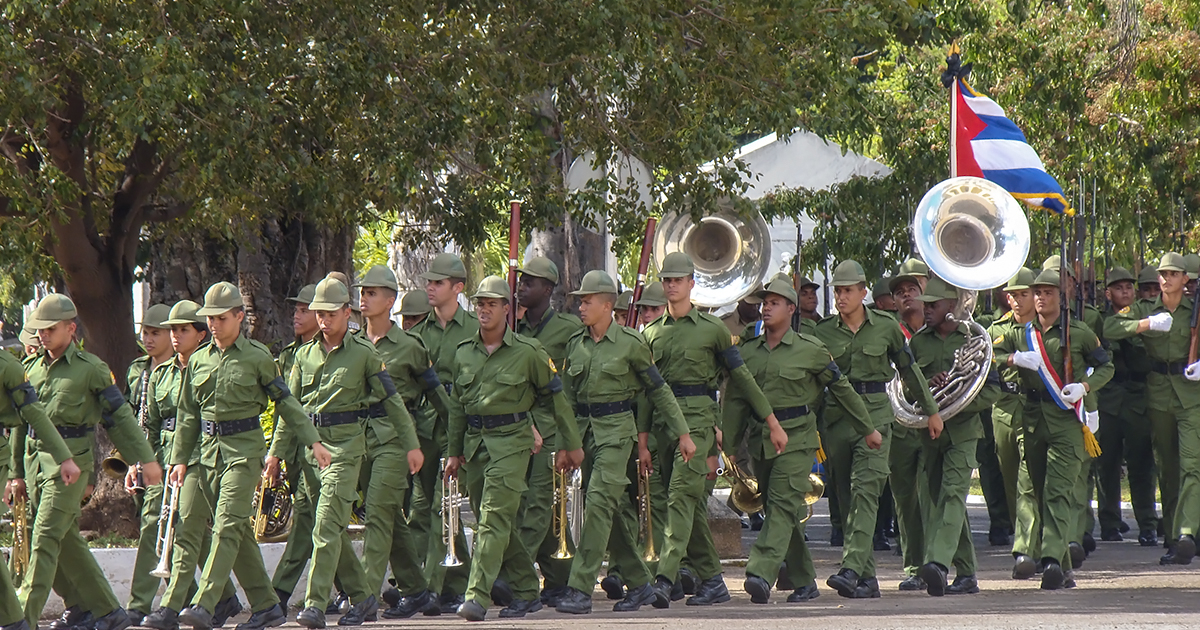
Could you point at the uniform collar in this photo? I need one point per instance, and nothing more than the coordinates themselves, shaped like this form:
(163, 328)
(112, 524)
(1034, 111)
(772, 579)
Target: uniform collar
(394, 334)
(870, 317)
(547, 316)
(71, 352)
(509, 338)
(692, 314)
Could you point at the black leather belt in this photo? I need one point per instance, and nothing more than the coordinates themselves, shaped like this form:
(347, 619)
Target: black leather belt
(495, 422)
(1132, 377)
(377, 410)
(1169, 368)
(791, 412)
(230, 427)
(1039, 395)
(67, 433)
(869, 387)
(1010, 388)
(683, 391)
(168, 424)
(335, 418)
(596, 410)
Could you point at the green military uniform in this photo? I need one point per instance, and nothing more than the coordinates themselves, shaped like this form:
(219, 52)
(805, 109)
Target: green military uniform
(78, 392)
(692, 351)
(603, 377)
(1054, 439)
(426, 499)
(1173, 407)
(1125, 435)
(224, 392)
(792, 375)
(490, 426)
(866, 357)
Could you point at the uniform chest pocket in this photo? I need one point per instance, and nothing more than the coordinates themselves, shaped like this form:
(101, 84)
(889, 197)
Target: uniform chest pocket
(615, 368)
(201, 378)
(574, 369)
(875, 356)
(510, 378)
(345, 378)
(463, 381)
(794, 374)
(837, 349)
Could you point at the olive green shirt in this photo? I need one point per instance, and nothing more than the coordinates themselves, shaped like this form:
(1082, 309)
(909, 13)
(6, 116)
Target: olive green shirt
(1162, 347)
(935, 354)
(511, 380)
(792, 374)
(166, 384)
(1003, 328)
(1086, 352)
(415, 378)
(442, 343)
(553, 332)
(233, 384)
(616, 368)
(1131, 370)
(19, 408)
(139, 399)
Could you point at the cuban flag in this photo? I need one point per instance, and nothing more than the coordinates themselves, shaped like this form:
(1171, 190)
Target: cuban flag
(989, 145)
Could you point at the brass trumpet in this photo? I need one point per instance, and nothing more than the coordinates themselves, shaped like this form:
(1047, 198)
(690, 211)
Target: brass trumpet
(166, 531)
(20, 544)
(568, 509)
(744, 490)
(645, 520)
(451, 507)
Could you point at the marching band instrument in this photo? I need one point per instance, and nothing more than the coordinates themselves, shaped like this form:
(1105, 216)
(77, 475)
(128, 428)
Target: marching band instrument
(568, 508)
(744, 490)
(645, 521)
(451, 506)
(20, 542)
(115, 465)
(973, 234)
(731, 252)
(272, 510)
(165, 541)
(814, 494)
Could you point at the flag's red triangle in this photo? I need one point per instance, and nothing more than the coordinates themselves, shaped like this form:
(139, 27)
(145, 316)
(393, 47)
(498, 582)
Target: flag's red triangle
(969, 125)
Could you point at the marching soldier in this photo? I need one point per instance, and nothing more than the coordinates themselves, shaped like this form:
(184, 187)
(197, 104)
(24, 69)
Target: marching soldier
(865, 345)
(621, 308)
(1173, 401)
(500, 377)
(692, 349)
(78, 392)
(881, 296)
(1148, 287)
(607, 365)
(1054, 437)
(225, 390)
(447, 326)
(1191, 263)
(414, 308)
(539, 277)
(792, 370)
(193, 537)
(652, 304)
(384, 479)
(807, 300)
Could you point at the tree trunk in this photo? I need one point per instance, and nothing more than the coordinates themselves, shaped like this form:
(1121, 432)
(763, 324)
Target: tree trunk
(576, 250)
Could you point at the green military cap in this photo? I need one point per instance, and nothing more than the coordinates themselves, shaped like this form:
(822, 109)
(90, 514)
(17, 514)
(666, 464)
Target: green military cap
(542, 267)
(937, 289)
(29, 337)
(53, 308)
(653, 295)
(1117, 274)
(379, 276)
(1055, 262)
(184, 312)
(305, 296)
(909, 271)
(492, 287)
(781, 286)
(414, 303)
(596, 281)
(156, 316)
(677, 265)
(881, 288)
(221, 297)
(445, 266)
(805, 281)
(1149, 275)
(1192, 265)
(331, 295)
(1048, 277)
(1171, 261)
(1023, 279)
(848, 273)
(622, 303)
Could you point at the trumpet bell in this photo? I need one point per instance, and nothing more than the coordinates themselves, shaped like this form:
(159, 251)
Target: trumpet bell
(731, 252)
(971, 232)
(817, 491)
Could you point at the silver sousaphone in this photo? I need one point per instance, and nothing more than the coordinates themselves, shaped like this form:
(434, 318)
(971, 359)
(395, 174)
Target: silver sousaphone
(974, 235)
(731, 251)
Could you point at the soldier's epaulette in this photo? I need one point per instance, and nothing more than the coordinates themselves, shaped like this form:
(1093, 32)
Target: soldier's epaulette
(888, 314)
(1004, 318)
(813, 340)
(625, 330)
(713, 319)
(828, 318)
(261, 346)
(583, 331)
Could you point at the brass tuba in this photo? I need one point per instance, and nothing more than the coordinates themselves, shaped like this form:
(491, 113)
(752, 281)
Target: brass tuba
(731, 252)
(974, 235)
(744, 491)
(814, 493)
(20, 541)
(272, 510)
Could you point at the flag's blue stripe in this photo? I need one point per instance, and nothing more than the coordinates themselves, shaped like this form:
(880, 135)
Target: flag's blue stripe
(999, 128)
(1025, 181)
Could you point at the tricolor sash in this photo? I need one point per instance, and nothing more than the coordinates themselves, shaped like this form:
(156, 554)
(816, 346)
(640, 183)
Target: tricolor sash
(1054, 383)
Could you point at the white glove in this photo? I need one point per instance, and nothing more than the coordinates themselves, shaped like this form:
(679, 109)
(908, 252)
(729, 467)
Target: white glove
(1192, 373)
(1072, 392)
(1029, 360)
(1092, 420)
(1160, 322)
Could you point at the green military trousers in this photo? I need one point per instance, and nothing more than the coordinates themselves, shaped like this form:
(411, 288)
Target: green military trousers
(688, 535)
(629, 510)
(859, 477)
(534, 522)
(425, 523)
(784, 482)
(143, 586)
(332, 552)
(299, 543)
(1054, 453)
(604, 525)
(193, 541)
(229, 487)
(1124, 435)
(495, 485)
(386, 537)
(906, 462)
(1009, 434)
(991, 478)
(10, 606)
(1176, 434)
(948, 534)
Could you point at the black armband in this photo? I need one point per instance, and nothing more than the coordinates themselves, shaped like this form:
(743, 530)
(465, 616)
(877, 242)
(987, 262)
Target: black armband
(281, 389)
(554, 386)
(904, 358)
(1100, 355)
(113, 397)
(389, 386)
(30, 395)
(732, 358)
(837, 372)
(430, 379)
(656, 379)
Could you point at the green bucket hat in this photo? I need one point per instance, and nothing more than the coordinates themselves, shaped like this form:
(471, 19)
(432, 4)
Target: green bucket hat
(53, 308)
(881, 288)
(414, 303)
(1055, 262)
(184, 312)
(653, 295)
(221, 297)
(1118, 274)
(1171, 261)
(492, 287)
(1192, 265)
(1048, 277)
(778, 286)
(937, 289)
(596, 281)
(542, 267)
(1149, 275)
(305, 296)
(677, 265)
(622, 303)
(805, 281)
(156, 316)
(1023, 279)
(331, 295)
(909, 271)
(848, 273)
(28, 337)
(445, 266)
(379, 276)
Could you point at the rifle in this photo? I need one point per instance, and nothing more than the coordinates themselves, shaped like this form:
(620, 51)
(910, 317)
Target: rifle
(825, 271)
(643, 267)
(1064, 322)
(796, 278)
(514, 242)
(1092, 246)
(1194, 340)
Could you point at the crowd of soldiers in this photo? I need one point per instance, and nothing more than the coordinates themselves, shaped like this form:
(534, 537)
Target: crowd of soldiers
(374, 416)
